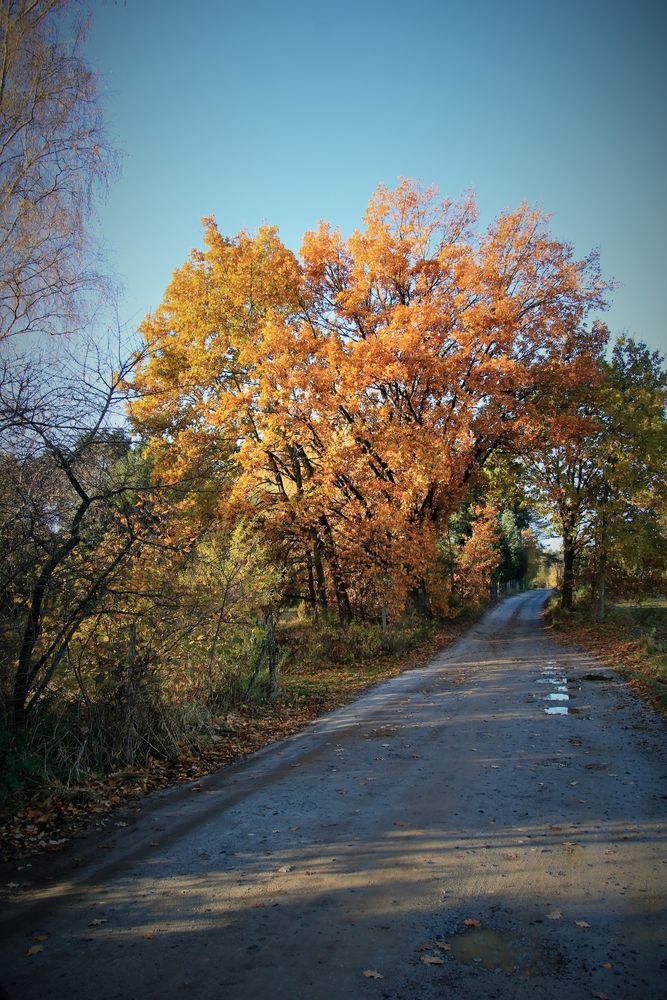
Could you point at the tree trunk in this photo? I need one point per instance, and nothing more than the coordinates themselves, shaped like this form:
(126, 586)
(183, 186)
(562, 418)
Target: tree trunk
(602, 572)
(272, 657)
(342, 598)
(312, 595)
(419, 600)
(568, 572)
(131, 683)
(320, 578)
(452, 578)
(602, 564)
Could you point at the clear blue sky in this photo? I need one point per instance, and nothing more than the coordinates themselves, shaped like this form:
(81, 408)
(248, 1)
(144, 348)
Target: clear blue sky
(291, 112)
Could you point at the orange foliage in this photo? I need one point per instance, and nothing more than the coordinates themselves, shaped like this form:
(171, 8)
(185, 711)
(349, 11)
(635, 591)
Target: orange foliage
(479, 558)
(347, 403)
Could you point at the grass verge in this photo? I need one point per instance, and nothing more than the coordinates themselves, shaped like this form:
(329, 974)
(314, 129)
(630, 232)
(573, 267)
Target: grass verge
(326, 668)
(632, 640)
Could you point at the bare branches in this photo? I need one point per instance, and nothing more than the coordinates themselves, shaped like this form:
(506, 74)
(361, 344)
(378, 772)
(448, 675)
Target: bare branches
(70, 517)
(54, 158)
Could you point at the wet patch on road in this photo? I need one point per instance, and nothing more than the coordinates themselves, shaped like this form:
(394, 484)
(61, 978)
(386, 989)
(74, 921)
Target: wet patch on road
(382, 732)
(560, 691)
(501, 951)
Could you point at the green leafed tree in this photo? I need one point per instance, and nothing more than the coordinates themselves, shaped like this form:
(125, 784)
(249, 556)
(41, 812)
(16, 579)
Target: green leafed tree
(596, 467)
(628, 506)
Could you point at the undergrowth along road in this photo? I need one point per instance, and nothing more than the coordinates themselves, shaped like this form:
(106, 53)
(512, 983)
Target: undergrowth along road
(632, 640)
(318, 676)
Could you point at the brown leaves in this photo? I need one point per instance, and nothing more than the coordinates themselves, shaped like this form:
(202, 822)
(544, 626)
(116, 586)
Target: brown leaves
(324, 374)
(581, 923)
(35, 949)
(432, 945)
(472, 922)
(554, 914)
(432, 960)
(372, 974)
(49, 823)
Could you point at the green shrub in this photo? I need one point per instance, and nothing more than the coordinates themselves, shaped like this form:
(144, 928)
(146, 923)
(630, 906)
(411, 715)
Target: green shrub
(21, 767)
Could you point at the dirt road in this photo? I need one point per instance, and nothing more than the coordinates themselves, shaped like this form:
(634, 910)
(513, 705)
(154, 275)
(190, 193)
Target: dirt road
(498, 785)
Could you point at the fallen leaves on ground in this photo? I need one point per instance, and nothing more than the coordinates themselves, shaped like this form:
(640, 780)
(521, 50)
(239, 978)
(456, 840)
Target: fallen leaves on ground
(621, 646)
(372, 974)
(582, 923)
(35, 949)
(53, 818)
(554, 915)
(472, 922)
(51, 821)
(432, 960)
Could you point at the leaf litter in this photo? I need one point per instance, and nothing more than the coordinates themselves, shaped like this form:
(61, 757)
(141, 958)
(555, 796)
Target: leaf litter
(53, 817)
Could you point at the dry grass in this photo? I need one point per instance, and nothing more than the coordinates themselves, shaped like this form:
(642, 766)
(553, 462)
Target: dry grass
(632, 640)
(310, 686)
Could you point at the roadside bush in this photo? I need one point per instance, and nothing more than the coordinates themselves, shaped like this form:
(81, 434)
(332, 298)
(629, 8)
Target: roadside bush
(20, 767)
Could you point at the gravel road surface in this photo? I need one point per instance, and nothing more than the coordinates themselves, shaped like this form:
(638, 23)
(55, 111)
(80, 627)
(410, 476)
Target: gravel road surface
(490, 826)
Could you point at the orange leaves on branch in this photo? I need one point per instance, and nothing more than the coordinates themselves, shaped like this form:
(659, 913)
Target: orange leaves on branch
(346, 403)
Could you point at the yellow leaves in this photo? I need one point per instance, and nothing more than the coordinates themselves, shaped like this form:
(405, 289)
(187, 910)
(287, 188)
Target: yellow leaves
(356, 391)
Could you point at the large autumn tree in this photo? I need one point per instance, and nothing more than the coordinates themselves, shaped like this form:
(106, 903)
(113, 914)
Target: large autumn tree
(345, 404)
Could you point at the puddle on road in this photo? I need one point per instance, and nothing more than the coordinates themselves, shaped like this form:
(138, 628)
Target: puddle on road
(559, 700)
(500, 950)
